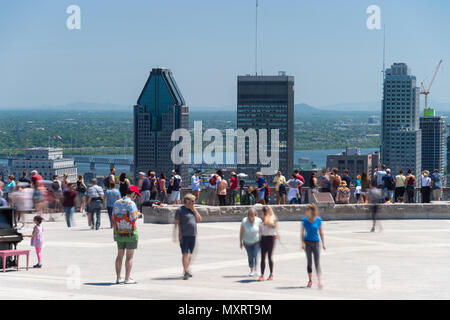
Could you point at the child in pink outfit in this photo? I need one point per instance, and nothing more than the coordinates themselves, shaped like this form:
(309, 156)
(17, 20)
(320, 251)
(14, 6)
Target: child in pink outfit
(37, 239)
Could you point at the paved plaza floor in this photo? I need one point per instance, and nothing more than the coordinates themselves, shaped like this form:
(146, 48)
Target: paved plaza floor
(408, 259)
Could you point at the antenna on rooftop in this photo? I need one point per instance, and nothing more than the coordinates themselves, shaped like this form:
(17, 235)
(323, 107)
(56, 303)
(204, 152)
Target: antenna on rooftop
(256, 39)
(384, 52)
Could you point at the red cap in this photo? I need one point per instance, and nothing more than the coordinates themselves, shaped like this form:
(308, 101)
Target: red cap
(134, 189)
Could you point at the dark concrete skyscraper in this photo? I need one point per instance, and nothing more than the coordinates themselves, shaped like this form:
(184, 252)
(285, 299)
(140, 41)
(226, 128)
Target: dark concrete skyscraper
(267, 102)
(160, 110)
(432, 127)
(400, 133)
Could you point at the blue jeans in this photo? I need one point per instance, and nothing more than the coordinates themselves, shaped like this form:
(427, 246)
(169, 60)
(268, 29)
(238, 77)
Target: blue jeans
(110, 212)
(69, 213)
(388, 193)
(252, 253)
(294, 201)
(96, 214)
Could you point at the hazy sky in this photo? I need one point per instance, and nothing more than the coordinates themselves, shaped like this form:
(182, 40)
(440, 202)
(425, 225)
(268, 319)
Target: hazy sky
(325, 44)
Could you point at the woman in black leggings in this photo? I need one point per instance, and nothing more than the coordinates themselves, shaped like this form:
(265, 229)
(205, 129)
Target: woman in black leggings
(268, 236)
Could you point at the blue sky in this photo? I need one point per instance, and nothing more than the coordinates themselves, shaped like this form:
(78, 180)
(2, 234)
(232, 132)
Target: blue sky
(325, 44)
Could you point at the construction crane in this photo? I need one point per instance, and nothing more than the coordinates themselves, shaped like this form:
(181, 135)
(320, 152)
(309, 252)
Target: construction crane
(426, 92)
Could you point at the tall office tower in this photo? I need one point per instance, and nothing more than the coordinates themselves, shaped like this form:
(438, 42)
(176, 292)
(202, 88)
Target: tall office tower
(400, 133)
(267, 102)
(432, 127)
(160, 110)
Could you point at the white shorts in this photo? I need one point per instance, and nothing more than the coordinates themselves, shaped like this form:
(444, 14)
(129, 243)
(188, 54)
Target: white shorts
(175, 196)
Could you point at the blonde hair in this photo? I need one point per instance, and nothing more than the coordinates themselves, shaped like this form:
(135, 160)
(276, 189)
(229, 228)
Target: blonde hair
(189, 196)
(270, 219)
(313, 208)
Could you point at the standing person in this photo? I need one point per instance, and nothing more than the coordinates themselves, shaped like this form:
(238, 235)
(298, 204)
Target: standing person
(65, 181)
(346, 178)
(211, 193)
(269, 234)
(436, 179)
(10, 186)
(293, 189)
(310, 230)
(365, 186)
(111, 196)
(343, 194)
(37, 240)
(313, 183)
(25, 178)
(22, 200)
(175, 183)
(380, 175)
(222, 190)
(57, 194)
(185, 226)
(325, 181)
(410, 186)
(124, 184)
(233, 188)
(81, 189)
(278, 180)
(375, 196)
(389, 185)
(426, 187)
(95, 202)
(358, 188)
(110, 178)
(399, 185)
(153, 185)
(335, 182)
(195, 184)
(69, 197)
(125, 215)
(162, 188)
(144, 188)
(249, 238)
(261, 189)
(248, 199)
(300, 189)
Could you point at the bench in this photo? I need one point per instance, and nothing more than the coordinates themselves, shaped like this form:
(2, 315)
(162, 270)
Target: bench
(14, 253)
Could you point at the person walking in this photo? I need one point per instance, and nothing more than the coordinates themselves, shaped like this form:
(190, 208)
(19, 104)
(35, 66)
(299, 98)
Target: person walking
(175, 183)
(111, 196)
(185, 227)
(278, 180)
(312, 235)
(399, 185)
(69, 197)
(95, 202)
(81, 189)
(222, 190)
(293, 193)
(162, 196)
(375, 196)
(436, 187)
(195, 184)
(234, 182)
(410, 186)
(425, 187)
(37, 240)
(125, 216)
(269, 234)
(249, 238)
(124, 184)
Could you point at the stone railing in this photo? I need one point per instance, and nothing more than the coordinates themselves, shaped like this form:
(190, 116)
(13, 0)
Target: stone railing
(440, 210)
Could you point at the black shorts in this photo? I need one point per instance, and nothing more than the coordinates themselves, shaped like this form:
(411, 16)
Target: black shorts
(187, 244)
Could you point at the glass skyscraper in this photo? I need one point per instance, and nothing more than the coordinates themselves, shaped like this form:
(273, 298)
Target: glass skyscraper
(160, 110)
(432, 127)
(267, 102)
(400, 132)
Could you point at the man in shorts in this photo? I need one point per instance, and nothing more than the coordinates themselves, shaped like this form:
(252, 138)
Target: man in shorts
(125, 215)
(186, 219)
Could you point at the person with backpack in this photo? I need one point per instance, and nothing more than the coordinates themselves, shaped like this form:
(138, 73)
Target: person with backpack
(388, 185)
(211, 193)
(125, 215)
(175, 183)
(144, 188)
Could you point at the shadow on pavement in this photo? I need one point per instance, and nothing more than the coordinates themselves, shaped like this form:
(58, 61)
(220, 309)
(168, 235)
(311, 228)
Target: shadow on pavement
(290, 288)
(247, 281)
(168, 278)
(100, 284)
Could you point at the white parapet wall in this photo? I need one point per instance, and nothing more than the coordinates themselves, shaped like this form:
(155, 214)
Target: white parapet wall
(440, 210)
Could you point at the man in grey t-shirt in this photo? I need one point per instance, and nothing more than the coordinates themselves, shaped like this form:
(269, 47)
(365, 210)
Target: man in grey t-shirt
(186, 218)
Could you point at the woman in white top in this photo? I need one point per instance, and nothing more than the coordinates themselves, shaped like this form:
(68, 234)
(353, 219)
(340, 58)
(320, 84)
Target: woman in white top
(269, 234)
(249, 238)
(293, 193)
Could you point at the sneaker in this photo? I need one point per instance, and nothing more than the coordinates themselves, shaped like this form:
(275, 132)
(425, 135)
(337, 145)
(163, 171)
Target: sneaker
(261, 278)
(270, 277)
(252, 273)
(189, 274)
(309, 284)
(130, 281)
(38, 265)
(186, 276)
(119, 281)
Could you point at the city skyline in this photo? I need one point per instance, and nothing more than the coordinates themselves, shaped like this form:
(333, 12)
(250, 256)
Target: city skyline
(295, 37)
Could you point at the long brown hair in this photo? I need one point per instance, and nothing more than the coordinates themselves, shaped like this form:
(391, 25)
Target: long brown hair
(314, 209)
(270, 219)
